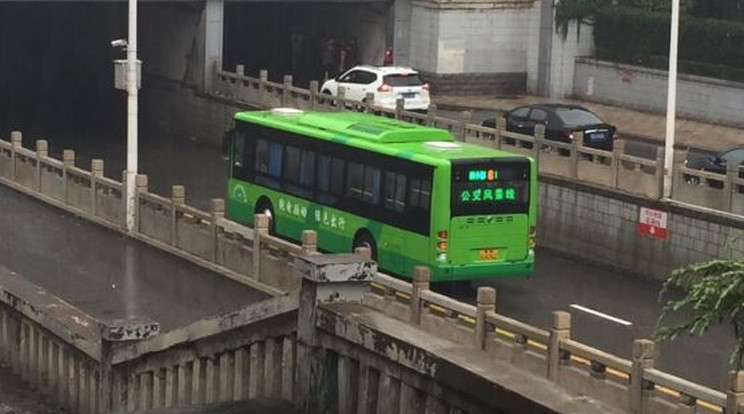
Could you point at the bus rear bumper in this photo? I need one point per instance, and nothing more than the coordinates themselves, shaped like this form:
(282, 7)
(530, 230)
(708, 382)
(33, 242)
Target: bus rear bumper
(445, 273)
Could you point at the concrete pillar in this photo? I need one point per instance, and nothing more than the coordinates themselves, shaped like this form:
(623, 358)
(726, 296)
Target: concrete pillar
(643, 358)
(735, 393)
(486, 302)
(96, 172)
(213, 29)
(260, 229)
(42, 151)
(618, 150)
(309, 242)
(561, 330)
(325, 279)
(420, 283)
(401, 29)
(218, 213)
(178, 196)
(544, 56)
(677, 176)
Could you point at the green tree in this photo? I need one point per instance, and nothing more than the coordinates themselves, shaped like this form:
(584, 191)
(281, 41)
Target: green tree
(714, 295)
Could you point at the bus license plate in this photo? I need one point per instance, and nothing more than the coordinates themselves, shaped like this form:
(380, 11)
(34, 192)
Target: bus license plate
(489, 254)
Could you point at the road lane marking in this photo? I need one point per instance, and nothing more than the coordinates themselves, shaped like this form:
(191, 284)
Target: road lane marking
(601, 315)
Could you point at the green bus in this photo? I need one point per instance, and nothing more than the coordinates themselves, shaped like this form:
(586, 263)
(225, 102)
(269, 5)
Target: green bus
(412, 194)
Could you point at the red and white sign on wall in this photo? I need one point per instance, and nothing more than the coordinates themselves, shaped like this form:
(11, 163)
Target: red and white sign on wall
(653, 222)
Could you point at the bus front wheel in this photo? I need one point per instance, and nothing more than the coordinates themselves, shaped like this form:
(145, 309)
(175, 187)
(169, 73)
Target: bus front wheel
(364, 239)
(265, 207)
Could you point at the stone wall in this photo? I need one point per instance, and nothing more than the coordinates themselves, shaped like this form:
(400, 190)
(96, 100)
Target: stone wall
(645, 89)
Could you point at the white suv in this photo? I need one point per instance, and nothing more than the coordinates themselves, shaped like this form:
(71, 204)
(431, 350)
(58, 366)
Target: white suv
(387, 83)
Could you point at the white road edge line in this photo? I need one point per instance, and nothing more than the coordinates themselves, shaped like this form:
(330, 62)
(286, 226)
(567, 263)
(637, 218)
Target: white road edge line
(601, 315)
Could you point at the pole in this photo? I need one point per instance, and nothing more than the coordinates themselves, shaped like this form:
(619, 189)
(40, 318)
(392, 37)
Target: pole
(132, 93)
(671, 101)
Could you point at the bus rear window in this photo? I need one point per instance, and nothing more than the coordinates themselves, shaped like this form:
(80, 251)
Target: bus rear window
(490, 187)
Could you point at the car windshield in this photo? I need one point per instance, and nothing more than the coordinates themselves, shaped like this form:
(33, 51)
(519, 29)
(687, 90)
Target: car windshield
(736, 156)
(572, 117)
(403, 80)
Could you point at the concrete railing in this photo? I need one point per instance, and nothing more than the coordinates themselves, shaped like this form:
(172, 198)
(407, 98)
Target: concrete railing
(632, 385)
(612, 169)
(723, 192)
(249, 256)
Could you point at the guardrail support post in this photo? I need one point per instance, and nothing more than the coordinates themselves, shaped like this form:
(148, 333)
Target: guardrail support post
(420, 283)
(68, 161)
(263, 77)
(735, 393)
(325, 279)
(561, 330)
(314, 86)
(286, 88)
(341, 98)
(537, 145)
(677, 175)
(42, 151)
(431, 113)
(218, 212)
(96, 171)
(500, 129)
(399, 105)
(141, 186)
(486, 303)
(578, 145)
(618, 150)
(643, 358)
(240, 71)
(729, 188)
(260, 229)
(309, 242)
(369, 102)
(465, 118)
(178, 196)
(16, 141)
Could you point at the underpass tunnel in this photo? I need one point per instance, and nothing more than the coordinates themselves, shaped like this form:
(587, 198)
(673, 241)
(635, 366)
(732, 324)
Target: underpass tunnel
(289, 38)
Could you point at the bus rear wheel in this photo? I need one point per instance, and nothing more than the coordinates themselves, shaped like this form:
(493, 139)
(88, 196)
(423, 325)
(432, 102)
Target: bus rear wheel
(265, 207)
(364, 239)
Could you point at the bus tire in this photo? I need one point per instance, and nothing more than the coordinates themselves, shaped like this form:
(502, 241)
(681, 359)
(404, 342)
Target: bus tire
(265, 207)
(364, 239)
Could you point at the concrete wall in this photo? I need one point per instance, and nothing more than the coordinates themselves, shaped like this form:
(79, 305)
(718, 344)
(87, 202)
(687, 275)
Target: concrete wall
(602, 226)
(563, 58)
(645, 89)
(472, 47)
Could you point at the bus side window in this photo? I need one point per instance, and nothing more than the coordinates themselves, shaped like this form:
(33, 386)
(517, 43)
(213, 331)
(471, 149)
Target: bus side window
(371, 185)
(395, 191)
(355, 180)
(420, 195)
(262, 156)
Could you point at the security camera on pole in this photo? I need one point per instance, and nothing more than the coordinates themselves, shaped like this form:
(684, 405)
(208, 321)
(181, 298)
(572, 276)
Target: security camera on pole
(127, 74)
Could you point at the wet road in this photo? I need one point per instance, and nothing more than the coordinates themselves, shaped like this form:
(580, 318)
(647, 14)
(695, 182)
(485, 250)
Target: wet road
(105, 273)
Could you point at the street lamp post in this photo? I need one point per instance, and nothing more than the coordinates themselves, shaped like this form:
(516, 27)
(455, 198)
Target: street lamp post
(132, 66)
(671, 101)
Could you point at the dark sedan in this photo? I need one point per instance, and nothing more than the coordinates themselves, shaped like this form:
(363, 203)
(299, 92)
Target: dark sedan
(716, 164)
(561, 122)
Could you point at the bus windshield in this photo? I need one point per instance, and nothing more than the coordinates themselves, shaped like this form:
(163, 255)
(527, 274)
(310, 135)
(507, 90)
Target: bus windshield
(498, 186)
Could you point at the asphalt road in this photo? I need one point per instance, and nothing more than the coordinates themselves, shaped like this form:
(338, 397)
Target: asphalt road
(106, 274)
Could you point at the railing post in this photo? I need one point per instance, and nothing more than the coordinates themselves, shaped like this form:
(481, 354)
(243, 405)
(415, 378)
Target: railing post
(240, 71)
(141, 186)
(16, 141)
(539, 136)
(399, 105)
(286, 89)
(465, 118)
(486, 303)
(178, 196)
(735, 393)
(643, 359)
(500, 129)
(68, 161)
(561, 331)
(96, 171)
(42, 151)
(431, 113)
(309, 242)
(260, 229)
(314, 86)
(420, 283)
(618, 150)
(578, 145)
(341, 98)
(732, 173)
(363, 252)
(677, 174)
(218, 213)
(263, 77)
(369, 102)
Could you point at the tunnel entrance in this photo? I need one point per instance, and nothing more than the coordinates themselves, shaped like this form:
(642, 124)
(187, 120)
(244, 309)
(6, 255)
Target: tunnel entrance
(306, 40)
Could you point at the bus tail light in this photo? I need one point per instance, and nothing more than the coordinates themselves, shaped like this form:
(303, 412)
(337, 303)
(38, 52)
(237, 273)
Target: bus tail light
(532, 236)
(442, 234)
(442, 245)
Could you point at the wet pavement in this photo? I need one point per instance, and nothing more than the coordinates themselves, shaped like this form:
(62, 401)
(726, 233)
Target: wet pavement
(105, 273)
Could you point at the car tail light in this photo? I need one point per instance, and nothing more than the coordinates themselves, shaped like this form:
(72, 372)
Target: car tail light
(425, 86)
(568, 133)
(385, 88)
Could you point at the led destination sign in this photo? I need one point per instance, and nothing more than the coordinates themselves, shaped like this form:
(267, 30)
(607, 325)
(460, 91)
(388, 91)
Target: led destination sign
(490, 188)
